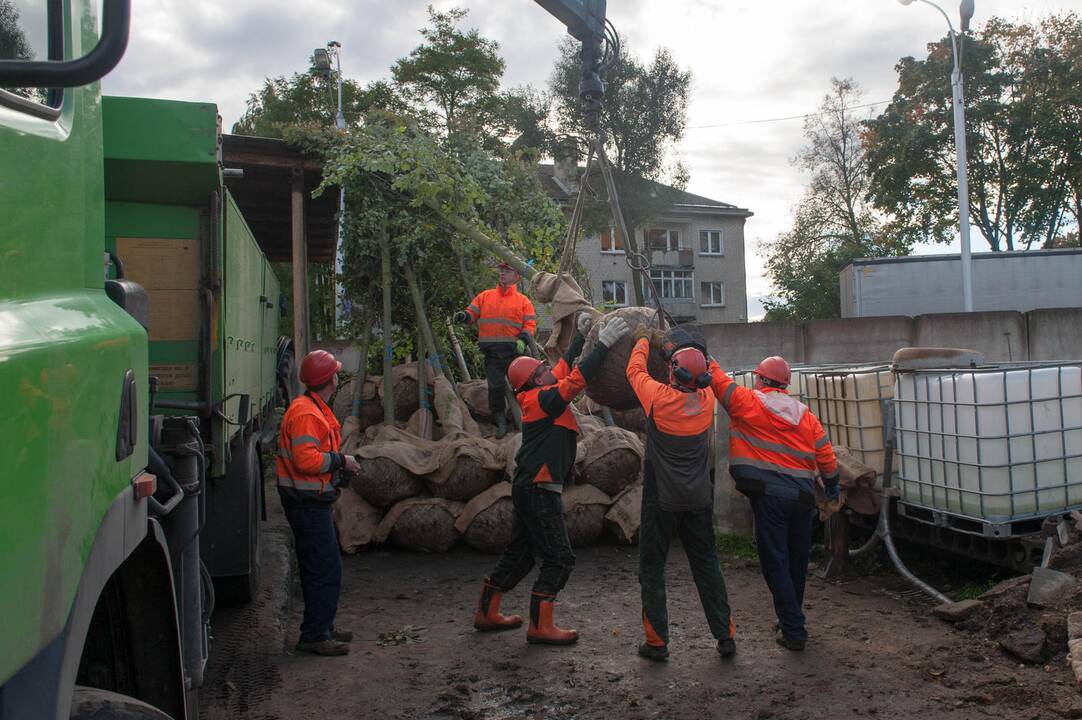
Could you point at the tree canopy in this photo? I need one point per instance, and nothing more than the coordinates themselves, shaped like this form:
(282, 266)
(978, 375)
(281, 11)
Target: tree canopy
(1023, 101)
(834, 221)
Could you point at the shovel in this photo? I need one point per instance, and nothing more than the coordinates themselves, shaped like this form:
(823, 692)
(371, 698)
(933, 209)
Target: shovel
(1047, 585)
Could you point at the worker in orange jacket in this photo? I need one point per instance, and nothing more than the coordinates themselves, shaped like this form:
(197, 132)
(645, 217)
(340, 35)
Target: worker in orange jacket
(543, 465)
(506, 324)
(309, 458)
(678, 495)
(776, 448)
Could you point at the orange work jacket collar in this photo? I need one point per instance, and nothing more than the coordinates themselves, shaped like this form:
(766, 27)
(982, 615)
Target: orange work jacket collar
(507, 291)
(326, 411)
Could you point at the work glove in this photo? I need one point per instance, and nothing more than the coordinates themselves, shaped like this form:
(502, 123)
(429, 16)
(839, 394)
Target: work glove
(585, 322)
(520, 347)
(461, 318)
(832, 488)
(612, 332)
(642, 332)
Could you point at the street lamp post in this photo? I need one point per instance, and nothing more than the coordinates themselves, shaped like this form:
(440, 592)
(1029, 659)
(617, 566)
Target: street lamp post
(323, 63)
(966, 12)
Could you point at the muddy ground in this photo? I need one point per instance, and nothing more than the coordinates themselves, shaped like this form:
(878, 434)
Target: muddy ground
(875, 651)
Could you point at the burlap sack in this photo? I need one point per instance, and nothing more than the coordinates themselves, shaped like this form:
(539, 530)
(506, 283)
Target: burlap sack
(467, 478)
(371, 410)
(355, 519)
(584, 513)
(623, 518)
(610, 387)
(404, 389)
(609, 459)
(475, 394)
(453, 414)
(510, 446)
(421, 524)
(485, 522)
(857, 481)
(567, 300)
(383, 480)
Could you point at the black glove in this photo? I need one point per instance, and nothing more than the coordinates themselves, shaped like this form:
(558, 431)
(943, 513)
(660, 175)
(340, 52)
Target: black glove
(461, 317)
(832, 487)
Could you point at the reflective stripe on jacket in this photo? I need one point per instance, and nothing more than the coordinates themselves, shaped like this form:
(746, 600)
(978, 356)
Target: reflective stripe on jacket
(776, 444)
(677, 437)
(549, 429)
(309, 444)
(502, 314)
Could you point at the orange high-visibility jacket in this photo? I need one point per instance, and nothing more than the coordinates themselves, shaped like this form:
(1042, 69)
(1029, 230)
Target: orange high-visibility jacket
(502, 314)
(776, 445)
(309, 442)
(678, 426)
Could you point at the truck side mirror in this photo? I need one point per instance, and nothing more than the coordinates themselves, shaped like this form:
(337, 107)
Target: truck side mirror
(116, 23)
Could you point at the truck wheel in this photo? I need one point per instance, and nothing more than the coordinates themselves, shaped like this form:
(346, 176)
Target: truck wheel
(286, 374)
(93, 704)
(244, 468)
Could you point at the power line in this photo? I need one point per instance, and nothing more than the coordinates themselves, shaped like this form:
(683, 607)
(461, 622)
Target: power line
(781, 119)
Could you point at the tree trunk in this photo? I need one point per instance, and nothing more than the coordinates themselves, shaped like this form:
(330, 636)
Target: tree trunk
(458, 351)
(425, 413)
(362, 364)
(426, 328)
(472, 233)
(388, 346)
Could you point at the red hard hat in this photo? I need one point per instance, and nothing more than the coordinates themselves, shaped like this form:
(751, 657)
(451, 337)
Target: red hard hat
(689, 368)
(774, 368)
(521, 370)
(318, 367)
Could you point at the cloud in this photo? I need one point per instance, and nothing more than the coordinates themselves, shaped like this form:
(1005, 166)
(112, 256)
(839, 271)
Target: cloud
(750, 60)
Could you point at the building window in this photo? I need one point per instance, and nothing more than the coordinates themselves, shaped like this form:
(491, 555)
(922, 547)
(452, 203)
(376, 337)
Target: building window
(612, 242)
(614, 292)
(713, 294)
(663, 239)
(711, 242)
(674, 284)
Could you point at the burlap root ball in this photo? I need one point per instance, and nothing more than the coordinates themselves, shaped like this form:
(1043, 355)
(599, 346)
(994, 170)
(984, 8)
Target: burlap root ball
(490, 531)
(383, 482)
(584, 523)
(611, 388)
(613, 472)
(426, 527)
(467, 479)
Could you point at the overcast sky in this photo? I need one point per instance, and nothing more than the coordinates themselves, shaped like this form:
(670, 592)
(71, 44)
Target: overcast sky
(752, 60)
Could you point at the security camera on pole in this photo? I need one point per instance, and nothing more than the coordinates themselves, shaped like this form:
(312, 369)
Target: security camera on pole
(965, 10)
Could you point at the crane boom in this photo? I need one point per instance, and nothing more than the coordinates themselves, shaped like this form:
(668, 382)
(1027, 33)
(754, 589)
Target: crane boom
(585, 21)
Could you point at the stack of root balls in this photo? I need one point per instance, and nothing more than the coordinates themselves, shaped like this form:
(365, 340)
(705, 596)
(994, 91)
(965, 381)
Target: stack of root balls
(427, 494)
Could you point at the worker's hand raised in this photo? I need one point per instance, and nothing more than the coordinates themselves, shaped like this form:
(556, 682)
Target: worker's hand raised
(614, 329)
(461, 317)
(641, 331)
(585, 322)
(351, 464)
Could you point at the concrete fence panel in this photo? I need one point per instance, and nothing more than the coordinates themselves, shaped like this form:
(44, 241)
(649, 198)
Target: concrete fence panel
(999, 335)
(856, 340)
(1055, 334)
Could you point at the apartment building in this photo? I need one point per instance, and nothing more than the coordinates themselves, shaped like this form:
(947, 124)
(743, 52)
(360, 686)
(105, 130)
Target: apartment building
(695, 248)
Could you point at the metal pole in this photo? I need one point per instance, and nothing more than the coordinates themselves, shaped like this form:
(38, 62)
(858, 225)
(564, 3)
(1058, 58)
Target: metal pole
(339, 253)
(960, 153)
(963, 178)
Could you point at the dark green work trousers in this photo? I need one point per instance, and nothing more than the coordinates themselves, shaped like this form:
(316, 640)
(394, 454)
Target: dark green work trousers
(696, 531)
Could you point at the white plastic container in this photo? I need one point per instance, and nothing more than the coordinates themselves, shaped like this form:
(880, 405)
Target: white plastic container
(849, 404)
(994, 444)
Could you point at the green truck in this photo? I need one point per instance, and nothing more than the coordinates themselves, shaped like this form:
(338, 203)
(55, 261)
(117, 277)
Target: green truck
(141, 366)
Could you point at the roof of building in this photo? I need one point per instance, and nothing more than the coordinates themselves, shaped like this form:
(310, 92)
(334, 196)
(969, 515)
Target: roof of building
(955, 257)
(562, 193)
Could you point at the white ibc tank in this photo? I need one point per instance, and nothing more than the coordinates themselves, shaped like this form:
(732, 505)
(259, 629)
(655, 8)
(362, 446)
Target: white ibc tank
(848, 403)
(995, 444)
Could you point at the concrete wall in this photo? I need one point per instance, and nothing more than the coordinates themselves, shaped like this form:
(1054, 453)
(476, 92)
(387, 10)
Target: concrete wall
(1054, 334)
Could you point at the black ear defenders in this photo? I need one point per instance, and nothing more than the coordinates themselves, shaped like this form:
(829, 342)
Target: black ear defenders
(683, 376)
